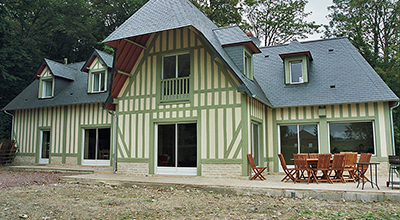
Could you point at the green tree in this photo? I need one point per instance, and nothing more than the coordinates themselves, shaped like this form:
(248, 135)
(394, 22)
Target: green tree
(277, 22)
(221, 12)
(33, 29)
(373, 26)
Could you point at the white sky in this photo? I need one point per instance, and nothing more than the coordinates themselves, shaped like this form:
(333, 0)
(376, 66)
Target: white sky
(319, 12)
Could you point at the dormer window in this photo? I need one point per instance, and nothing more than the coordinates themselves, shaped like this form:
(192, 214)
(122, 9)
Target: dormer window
(46, 84)
(97, 80)
(47, 89)
(296, 67)
(248, 67)
(296, 71)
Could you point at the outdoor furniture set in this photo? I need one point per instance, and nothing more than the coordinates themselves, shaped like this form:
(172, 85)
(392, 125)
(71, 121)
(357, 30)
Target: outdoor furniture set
(317, 168)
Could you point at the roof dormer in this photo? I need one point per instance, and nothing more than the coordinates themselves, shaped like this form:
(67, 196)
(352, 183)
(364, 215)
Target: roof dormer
(46, 84)
(296, 64)
(98, 67)
(239, 46)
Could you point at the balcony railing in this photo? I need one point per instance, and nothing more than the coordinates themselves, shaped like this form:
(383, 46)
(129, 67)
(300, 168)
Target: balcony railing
(175, 89)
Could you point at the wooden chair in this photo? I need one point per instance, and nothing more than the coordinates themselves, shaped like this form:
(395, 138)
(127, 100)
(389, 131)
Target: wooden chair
(301, 167)
(337, 167)
(300, 157)
(349, 159)
(323, 166)
(256, 170)
(361, 170)
(313, 155)
(288, 171)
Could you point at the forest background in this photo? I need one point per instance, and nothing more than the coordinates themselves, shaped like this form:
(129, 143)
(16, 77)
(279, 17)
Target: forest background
(31, 30)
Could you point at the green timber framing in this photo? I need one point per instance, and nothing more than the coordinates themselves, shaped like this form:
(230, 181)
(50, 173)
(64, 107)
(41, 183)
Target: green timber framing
(212, 95)
(222, 101)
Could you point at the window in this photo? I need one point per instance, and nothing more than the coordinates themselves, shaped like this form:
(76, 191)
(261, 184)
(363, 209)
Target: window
(99, 81)
(255, 143)
(175, 78)
(296, 71)
(247, 66)
(298, 139)
(96, 148)
(352, 137)
(46, 88)
(176, 66)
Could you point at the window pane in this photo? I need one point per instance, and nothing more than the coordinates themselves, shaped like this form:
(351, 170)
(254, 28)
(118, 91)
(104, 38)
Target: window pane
(289, 143)
(296, 69)
(183, 65)
(166, 145)
(90, 144)
(96, 80)
(255, 144)
(352, 137)
(308, 138)
(102, 81)
(47, 88)
(103, 152)
(187, 145)
(169, 67)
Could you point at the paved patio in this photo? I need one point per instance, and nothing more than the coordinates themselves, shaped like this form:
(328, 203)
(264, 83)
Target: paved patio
(271, 187)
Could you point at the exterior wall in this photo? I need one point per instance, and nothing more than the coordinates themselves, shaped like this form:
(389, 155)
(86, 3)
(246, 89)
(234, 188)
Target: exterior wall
(65, 124)
(214, 104)
(221, 170)
(378, 113)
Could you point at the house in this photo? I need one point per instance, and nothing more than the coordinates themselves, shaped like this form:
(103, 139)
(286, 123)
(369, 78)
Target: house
(181, 96)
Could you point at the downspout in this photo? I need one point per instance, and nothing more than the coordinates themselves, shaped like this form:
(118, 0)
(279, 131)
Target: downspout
(12, 123)
(115, 139)
(392, 126)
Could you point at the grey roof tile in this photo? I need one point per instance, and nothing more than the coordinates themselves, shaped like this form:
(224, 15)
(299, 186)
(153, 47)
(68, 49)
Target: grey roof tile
(353, 78)
(231, 35)
(66, 92)
(61, 70)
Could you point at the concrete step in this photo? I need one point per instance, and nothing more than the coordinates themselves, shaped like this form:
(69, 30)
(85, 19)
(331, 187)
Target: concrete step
(41, 168)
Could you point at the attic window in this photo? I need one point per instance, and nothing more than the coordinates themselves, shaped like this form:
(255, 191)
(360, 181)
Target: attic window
(97, 78)
(99, 81)
(47, 89)
(296, 69)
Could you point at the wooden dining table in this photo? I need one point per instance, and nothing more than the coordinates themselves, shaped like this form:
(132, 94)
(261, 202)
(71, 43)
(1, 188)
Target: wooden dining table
(312, 161)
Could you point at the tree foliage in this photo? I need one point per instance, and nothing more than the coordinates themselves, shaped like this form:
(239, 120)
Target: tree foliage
(221, 12)
(373, 26)
(277, 22)
(33, 29)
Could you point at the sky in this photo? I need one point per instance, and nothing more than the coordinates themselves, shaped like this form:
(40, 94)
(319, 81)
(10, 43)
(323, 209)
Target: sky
(319, 12)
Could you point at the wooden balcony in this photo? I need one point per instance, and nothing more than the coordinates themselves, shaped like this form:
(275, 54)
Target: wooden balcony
(175, 89)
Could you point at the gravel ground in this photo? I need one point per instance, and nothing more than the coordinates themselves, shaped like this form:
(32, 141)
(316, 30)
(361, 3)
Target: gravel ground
(35, 195)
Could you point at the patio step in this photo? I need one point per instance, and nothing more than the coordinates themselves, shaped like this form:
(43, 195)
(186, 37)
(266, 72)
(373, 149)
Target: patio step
(41, 168)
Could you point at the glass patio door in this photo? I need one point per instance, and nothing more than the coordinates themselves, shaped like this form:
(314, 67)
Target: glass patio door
(177, 149)
(44, 151)
(295, 139)
(96, 150)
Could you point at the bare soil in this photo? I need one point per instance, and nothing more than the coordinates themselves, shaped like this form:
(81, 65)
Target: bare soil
(37, 195)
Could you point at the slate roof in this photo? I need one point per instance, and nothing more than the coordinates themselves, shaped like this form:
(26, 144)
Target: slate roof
(231, 35)
(178, 14)
(66, 91)
(106, 58)
(61, 70)
(335, 77)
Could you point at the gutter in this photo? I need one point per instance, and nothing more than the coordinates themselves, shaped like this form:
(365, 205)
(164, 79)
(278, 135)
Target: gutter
(115, 140)
(392, 126)
(12, 123)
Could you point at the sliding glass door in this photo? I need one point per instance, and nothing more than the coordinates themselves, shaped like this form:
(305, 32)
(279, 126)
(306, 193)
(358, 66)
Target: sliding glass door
(177, 149)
